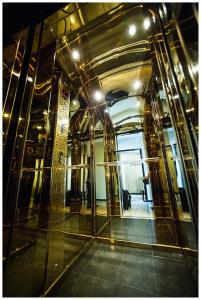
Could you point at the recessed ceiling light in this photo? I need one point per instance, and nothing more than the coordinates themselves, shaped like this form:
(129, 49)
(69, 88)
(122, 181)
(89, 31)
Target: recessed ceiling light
(147, 23)
(137, 84)
(76, 54)
(132, 30)
(74, 102)
(6, 115)
(98, 96)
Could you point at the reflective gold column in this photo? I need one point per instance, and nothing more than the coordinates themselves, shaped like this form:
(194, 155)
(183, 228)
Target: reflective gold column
(58, 184)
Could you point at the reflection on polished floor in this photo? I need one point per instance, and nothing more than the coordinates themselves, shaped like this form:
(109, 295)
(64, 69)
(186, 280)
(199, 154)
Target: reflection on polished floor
(139, 209)
(115, 271)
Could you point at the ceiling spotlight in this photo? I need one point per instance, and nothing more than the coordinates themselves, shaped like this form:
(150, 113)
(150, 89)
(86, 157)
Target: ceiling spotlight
(98, 96)
(74, 102)
(146, 23)
(137, 84)
(132, 30)
(30, 79)
(6, 115)
(75, 54)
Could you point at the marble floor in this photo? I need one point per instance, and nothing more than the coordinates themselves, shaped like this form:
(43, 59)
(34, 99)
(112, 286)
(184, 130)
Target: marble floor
(117, 271)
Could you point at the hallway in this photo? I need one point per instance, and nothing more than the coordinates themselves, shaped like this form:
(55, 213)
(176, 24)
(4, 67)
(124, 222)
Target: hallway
(116, 271)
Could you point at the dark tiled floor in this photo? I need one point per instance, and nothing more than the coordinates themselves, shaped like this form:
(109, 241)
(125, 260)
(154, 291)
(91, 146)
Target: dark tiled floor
(115, 271)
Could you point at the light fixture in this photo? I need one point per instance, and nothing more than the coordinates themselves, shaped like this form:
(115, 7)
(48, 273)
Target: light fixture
(98, 96)
(74, 102)
(20, 118)
(6, 115)
(146, 23)
(30, 79)
(189, 110)
(106, 110)
(75, 54)
(39, 127)
(137, 84)
(20, 135)
(132, 30)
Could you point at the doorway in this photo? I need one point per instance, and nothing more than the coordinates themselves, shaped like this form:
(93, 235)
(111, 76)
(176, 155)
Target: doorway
(132, 172)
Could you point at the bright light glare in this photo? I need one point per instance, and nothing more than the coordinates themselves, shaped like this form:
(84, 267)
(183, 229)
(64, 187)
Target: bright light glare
(137, 84)
(106, 110)
(75, 54)
(30, 79)
(39, 127)
(74, 102)
(132, 30)
(195, 69)
(98, 96)
(6, 115)
(146, 23)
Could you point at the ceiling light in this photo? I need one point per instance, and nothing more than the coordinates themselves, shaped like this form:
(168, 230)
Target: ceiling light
(132, 30)
(39, 127)
(30, 79)
(146, 23)
(74, 102)
(106, 110)
(98, 96)
(137, 84)
(6, 115)
(75, 54)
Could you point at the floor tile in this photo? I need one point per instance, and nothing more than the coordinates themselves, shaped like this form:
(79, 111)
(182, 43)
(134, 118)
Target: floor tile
(85, 286)
(174, 279)
(137, 271)
(121, 290)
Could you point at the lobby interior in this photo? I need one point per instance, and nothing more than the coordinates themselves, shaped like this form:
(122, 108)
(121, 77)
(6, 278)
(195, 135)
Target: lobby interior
(100, 150)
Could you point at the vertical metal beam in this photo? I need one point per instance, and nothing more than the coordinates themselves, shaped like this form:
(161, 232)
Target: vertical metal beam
(186, 53)
(176, 83)
(188, 191)
(20, 96)
(195, 11)
(14, 123)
